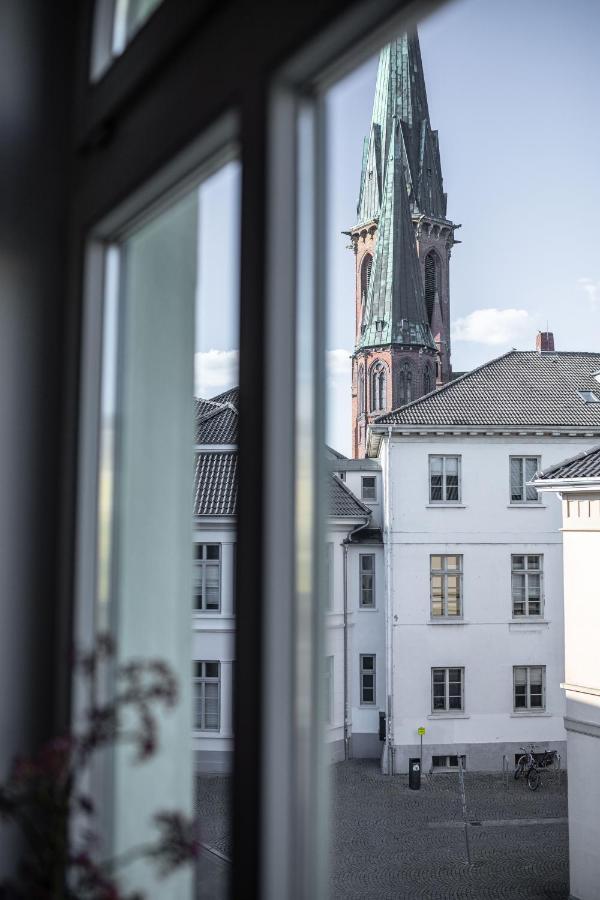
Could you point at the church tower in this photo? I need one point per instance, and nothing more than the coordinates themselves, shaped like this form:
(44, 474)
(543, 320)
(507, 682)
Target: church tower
(402, 246)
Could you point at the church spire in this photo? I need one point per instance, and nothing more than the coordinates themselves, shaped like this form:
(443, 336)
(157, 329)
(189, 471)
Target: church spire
(402, 242)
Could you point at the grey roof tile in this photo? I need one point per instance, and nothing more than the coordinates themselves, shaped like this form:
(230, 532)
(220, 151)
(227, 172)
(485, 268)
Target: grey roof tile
(215, 484)
(342, 502)
(520, 388)
(583, 465)
(217, 419)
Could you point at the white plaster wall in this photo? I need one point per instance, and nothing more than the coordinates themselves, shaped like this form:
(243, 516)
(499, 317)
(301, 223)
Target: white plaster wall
(367, 635)
(486, 530)
(354, 482)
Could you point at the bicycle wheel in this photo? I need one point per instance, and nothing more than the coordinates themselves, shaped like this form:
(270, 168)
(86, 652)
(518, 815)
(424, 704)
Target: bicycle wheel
(519, 769)
(533, 779)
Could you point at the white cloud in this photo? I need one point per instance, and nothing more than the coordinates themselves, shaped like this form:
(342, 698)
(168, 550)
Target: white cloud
(591, 288)
(496, 327)
(215, 371)
(338, 363)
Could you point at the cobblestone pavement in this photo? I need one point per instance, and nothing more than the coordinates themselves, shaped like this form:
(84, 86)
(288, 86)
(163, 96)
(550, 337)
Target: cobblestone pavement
(389, 842)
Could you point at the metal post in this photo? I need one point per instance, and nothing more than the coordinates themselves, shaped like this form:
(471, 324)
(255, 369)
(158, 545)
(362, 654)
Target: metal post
(421, 754)
(461, 780)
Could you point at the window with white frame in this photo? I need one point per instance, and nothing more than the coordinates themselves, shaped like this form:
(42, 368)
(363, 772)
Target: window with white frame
(522, 470)
(328, 676)
(529, 688)
(444, 479)
(207, 688)
(207, 576)
(446, 585)
(526, 585)
(447, 762)
(367, 679)
(447, 690)
(366, 569)
(369, 488)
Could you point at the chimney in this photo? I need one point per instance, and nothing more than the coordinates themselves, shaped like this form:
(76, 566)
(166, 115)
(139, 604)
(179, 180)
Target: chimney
(544, 342)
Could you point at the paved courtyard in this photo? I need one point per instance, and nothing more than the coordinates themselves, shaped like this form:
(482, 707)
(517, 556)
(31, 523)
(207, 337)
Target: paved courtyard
(390, 842)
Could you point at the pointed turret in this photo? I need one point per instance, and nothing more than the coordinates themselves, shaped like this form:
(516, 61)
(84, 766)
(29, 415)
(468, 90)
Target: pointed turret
(402, 242)
(394, 310)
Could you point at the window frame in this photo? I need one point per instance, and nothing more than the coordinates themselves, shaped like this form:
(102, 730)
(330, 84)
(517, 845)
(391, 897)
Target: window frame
(443, 573)
(526, 572)
(361, 574)
(203, 564)
(201, 681)
(444, 485)
(528, 709)
(329, 675)
(448, 710)
(525, 488)
(367, 673)
(363, 496)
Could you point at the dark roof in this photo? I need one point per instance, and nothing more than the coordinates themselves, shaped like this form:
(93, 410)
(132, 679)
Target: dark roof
(342, 502)
(330, 453)
(215, 484)
(368, 536)
(217, 419)
(520, 388)
(584, 465)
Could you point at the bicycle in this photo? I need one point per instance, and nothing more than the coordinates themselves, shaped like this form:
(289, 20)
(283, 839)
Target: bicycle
(527, 765)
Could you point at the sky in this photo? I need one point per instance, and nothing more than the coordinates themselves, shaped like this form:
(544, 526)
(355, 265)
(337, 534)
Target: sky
(514, 91)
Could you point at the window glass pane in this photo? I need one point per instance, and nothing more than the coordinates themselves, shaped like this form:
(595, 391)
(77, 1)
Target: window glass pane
(531, 467)
(436, 563)
(516, 479)
(518, 594)
(453, 563)
(213, 551)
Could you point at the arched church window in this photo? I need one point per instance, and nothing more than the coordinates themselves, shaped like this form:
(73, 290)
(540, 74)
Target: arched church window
(361, 389)
(427, 380)
(432, 281)
(365, 276)
(406, 388)
(378, 387)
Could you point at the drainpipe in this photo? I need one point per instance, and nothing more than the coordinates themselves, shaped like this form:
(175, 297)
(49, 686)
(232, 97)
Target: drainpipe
(388, 611)
(345, 544)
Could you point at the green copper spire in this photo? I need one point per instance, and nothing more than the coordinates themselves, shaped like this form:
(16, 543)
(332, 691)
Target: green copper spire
(395, 310)
(400, 92)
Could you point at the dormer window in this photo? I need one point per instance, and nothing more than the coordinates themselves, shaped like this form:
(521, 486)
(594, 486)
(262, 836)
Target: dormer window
(589, 396)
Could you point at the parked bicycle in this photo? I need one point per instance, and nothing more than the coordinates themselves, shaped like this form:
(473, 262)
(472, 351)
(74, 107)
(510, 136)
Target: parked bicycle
(530, 763)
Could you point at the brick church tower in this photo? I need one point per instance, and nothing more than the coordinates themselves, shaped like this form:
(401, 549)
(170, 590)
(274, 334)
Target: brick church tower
(402, 246)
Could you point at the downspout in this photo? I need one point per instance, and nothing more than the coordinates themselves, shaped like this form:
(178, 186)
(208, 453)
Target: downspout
(345, 543)
(388, 612)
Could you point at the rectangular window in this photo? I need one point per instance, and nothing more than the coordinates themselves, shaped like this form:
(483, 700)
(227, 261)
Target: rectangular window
(444, 479)
(369, 488)
(329, 689)
(207, 684)
(447, 690)
(447, 762)
(526, 580)
(529, 687)
(207, 574)
(522, 470)
(366, 567)
(446, 586)
(367, 679)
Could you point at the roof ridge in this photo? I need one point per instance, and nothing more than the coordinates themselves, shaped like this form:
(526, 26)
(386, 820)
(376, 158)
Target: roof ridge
(437, 391)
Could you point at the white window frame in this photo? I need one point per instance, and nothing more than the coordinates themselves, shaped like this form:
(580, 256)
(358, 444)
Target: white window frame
(363, 496)
(525, 500)
(443, 573)
(444, 501)
(367, 672)
(447, 708)
(528, 708)
(200, 682)
(361, 588)
(525, 572)
(201, 566)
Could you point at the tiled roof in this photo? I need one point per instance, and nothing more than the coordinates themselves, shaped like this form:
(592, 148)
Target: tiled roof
(342, 502)
(584, 465)
(215, 472)
(217, 419)
(215, 484)
(520, 388)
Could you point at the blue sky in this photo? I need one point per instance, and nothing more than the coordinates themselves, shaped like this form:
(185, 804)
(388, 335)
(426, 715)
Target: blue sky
(514, 91)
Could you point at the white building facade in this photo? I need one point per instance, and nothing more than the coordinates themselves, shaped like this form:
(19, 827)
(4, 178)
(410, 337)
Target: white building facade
(473, 557)
(577, 481)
